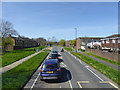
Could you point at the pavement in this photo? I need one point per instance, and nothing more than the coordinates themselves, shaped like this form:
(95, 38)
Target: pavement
(13, 65)
(75, 74)
(103, 62)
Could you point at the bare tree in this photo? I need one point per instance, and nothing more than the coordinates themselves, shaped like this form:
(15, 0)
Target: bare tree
(6, 28)
(54, 39)
(41, 41)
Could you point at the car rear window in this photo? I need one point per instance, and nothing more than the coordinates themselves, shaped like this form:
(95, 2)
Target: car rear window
(54, 51)
(51, 66)
(54, 55)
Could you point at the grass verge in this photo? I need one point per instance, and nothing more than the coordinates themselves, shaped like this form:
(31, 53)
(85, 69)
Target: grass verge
(15, 55)
(106, 70)
(105, 59)
(68, 48)
(16, 77)
(81, 50)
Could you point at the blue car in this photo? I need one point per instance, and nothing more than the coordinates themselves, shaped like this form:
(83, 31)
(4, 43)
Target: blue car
(50, 69)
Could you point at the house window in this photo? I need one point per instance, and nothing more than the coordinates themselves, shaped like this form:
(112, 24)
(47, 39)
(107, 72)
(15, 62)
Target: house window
(103, 42)
(118, 40)
(107, 41)
(113, 41)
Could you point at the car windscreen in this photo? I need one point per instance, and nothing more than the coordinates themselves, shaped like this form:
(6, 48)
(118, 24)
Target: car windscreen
(51, 66)
(54, 55)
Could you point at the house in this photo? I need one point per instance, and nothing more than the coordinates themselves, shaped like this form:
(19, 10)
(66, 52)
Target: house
(21, 42)
(29, 42)
(88, 42)
(111, 43)
(67, 43)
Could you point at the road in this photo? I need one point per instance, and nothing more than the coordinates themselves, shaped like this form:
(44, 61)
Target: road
(75, 74)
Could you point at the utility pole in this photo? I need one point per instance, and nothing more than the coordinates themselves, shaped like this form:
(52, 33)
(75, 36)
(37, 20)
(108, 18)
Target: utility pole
(76, 37)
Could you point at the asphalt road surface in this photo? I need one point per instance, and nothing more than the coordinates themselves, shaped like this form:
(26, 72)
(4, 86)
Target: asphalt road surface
(75, 74)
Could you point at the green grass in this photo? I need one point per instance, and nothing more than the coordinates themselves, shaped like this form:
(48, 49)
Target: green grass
(105, 59)
(47, 50)
(68, 48)
(16, 77)
(81, 50)
(11, 56)
(106, 70)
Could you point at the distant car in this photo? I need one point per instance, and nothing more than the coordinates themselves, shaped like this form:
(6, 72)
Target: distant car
(53, 56)
(62, 50)
(54, 51)
(50, 69)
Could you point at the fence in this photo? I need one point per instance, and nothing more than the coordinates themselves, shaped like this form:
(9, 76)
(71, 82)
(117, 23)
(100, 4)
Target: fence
(109, 55)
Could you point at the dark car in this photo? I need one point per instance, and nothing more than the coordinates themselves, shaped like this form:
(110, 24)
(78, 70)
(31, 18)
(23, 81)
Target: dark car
(54, 51)
(50, 69)
(53, 56)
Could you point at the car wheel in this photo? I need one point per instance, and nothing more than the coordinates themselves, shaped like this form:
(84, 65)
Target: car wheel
(41, 79)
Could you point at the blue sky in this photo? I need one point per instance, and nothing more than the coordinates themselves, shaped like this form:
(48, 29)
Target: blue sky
(47, 19)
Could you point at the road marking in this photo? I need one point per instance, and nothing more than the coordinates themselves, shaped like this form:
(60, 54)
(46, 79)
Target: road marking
(36, 78)
(80, 61)
(109, 83)
(81, 82)
(63, 65)
(34, 82)
(95, 74)
(69, 82)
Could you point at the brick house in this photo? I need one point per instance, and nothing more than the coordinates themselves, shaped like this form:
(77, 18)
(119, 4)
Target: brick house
(111, 43)
(83, 42)
(21, 42)
(67, 43)
(29, 42)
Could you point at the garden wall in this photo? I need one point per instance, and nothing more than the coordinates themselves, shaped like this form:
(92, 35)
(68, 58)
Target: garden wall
(109, 55)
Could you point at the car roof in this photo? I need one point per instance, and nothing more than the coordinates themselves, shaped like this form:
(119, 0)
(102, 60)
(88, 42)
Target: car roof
(54, 50)
(53, 61)
(53, 53)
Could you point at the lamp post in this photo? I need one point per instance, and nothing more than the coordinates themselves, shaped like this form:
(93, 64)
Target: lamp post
(76, 37)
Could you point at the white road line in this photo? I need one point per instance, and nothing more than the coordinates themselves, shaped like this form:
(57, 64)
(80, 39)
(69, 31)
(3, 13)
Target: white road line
(69, 82)
(80, 61)
(95, 74)
(34, 82)
(36, 79)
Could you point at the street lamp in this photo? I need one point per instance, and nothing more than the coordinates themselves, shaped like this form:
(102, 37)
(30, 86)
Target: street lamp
(76, 37)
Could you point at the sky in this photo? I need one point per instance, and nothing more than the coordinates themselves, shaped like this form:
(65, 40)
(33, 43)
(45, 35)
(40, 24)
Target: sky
(59, 19)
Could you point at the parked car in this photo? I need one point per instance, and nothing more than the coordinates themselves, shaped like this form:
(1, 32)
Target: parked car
(53, 56)
(54, 51)
(50, 69)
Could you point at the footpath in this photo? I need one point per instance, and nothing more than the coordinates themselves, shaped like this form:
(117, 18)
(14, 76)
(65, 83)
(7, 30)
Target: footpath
(13, 65)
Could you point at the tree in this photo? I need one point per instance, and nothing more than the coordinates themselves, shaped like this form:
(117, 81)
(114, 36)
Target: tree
(7, 29)
(53, 39)
(73, 42)
(5, 42)
(62, 42)
(41, 41)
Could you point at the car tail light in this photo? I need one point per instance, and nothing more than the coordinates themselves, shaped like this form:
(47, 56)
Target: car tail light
(50, 58)
(56, 57)
(58, 69)
(40, 70)
(49, 64)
